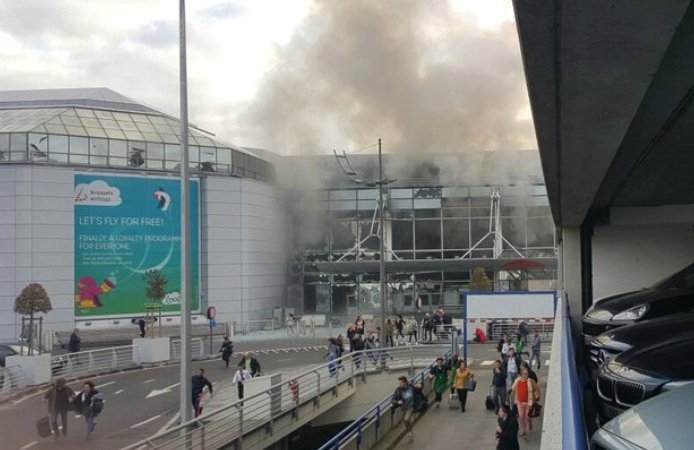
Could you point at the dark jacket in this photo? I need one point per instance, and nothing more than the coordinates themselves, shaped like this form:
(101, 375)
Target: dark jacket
(90, 404)
(508, 438)
(74, 344)
(198, 382)
(227, 349)
(499, 379)
(60, 399)
(255, 365)
(504, 365)
(404, 394)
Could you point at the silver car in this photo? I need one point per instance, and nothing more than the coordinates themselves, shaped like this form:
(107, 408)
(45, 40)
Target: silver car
(663, 422)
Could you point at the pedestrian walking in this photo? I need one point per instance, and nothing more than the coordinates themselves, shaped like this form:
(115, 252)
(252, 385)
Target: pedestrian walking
(141, 322)
(90, 403)
(227, 349)
(519, 345)
(428, 325)
(400, 327)
(240, 376)
(511, 365)
(251, 364)
(75, 343)
(500, 346)
(291, 323)
(412, 332)
(357, 345)
(198, 383)
(439, 373)
(403, 398)
(462, 375)
(523, 331)
(535, 350)
(507, 430)
(389, 330)
(523, 396)
(59, 398)
(506, 346)
(499, 389)
(332, 355)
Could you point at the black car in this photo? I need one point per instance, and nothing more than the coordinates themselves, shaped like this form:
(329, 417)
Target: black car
(608, 345)
(641, 373)
(672, 295)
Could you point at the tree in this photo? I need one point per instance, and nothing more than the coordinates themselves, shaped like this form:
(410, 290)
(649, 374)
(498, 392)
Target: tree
(156, 284)
(33, 299)
(155, 292)
(480, 281)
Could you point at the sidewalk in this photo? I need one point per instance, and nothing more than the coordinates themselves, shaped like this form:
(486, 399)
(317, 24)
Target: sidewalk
(445, 428)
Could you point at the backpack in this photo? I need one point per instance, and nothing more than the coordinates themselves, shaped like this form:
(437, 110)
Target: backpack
(97, 406)
(420, 401)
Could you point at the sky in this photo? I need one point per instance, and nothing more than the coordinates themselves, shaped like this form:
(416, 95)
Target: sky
(291, 76)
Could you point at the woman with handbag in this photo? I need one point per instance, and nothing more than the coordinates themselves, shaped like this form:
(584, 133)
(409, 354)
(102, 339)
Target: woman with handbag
(464, 381)
(523, 397)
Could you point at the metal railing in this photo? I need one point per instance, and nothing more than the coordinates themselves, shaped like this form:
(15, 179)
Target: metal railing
(252, 325)
(197, 349)
(379, 420)
(229, 424)
(574, 432)
(91, 362)
(12, 380)
(511, 329)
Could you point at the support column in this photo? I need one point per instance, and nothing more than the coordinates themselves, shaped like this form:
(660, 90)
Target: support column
(570, 274)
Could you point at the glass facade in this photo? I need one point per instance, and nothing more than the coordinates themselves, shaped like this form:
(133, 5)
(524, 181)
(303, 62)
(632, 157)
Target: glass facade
(117, 139)
(422, 224)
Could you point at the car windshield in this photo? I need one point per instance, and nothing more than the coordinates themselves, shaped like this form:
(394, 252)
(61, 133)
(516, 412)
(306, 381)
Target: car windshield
(683, 279)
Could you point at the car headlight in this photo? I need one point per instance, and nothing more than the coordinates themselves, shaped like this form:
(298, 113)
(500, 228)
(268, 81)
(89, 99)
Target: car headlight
(634, 313)
(599, 314)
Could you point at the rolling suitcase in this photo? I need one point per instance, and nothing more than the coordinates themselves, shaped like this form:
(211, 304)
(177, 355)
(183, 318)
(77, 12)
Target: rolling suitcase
(43, 426)
(453, 402)
(488, 402)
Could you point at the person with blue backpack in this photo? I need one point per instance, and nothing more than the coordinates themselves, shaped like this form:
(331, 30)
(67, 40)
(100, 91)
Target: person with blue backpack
(90, 402)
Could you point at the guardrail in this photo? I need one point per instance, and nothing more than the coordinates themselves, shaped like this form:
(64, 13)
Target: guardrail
(227, 425)
(563, 420)
(197, 349)
(91, 362)
(12, 380)
(376, 422)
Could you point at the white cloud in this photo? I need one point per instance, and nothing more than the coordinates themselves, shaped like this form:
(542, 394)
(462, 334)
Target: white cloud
(97, 193)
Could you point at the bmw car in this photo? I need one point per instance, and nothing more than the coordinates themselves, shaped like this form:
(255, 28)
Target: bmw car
(672, 295)
(608, 345)
(642, 373)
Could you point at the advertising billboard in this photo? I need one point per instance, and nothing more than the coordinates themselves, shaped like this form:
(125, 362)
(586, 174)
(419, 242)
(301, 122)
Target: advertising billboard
(125, 227)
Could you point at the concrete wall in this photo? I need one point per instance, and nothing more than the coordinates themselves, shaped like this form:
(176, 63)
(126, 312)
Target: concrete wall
(244, 248)
(629, 256)
(243, 245)
(36, 241)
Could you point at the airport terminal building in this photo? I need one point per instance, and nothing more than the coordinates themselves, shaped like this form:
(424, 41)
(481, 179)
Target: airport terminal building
(89, 205)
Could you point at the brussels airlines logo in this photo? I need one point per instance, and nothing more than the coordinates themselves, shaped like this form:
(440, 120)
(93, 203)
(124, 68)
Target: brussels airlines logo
(97, 193)
(163, 198)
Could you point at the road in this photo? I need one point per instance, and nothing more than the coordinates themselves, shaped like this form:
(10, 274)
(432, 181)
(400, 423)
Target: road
(138, 404)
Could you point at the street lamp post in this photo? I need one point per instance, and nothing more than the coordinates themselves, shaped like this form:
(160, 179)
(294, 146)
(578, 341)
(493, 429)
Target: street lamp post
(185, 394)
(381, 182)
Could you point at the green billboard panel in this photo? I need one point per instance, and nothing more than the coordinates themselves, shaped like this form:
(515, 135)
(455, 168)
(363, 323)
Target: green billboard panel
(126, 226)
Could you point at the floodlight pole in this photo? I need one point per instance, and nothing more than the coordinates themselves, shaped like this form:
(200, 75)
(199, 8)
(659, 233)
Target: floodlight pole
(381, 252)
(185, 394)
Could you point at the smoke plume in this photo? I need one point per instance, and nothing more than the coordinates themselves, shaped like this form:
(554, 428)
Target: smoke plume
(413, 72)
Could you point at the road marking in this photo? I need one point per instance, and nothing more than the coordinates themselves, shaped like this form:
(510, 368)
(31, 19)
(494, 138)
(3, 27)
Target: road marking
(150, 380)
(165, 390)
(288, 359)
(170, 422)
(106, 384)
(119, 391)
(29, 445)
(145, 421)
(486, 363)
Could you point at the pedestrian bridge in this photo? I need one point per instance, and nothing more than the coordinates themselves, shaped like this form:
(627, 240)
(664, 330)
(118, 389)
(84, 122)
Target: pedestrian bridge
(276, 405)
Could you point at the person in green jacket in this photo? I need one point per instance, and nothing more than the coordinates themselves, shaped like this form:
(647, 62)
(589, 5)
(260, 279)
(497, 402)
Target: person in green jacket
(439, 373)
(519, 344)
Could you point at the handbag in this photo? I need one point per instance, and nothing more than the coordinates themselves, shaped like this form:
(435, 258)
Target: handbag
(470, 385)
(535, 410)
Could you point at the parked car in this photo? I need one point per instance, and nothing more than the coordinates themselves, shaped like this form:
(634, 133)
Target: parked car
(672, 295)
(14, 349)
(663, 422)
(642, 373)
(610, 344)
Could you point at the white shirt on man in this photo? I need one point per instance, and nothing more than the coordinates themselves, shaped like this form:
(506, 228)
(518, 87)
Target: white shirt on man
(241, 375)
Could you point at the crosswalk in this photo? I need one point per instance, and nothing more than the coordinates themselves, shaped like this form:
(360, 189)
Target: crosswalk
(308, 348)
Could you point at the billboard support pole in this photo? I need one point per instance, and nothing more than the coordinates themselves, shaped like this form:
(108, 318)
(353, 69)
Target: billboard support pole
(185, 393)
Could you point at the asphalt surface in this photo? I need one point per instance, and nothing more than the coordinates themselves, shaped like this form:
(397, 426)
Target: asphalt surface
(139, 403)
(128, 415)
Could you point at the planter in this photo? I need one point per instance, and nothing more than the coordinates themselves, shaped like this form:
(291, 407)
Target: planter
(153, 350)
